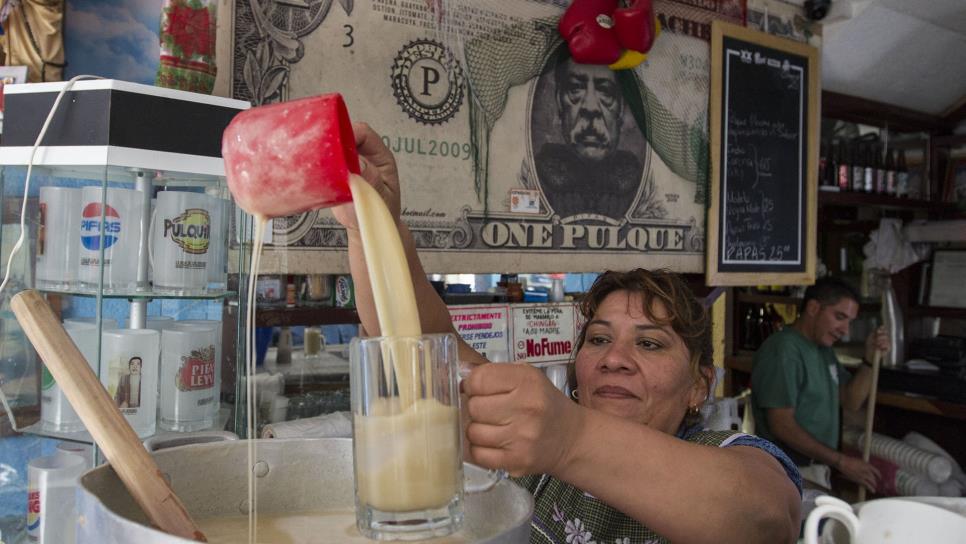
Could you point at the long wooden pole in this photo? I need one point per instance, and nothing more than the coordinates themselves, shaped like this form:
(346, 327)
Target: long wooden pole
(100, 415)
(870, 415)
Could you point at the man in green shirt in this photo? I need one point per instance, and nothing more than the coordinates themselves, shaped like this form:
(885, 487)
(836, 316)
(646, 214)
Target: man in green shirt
(798, 384)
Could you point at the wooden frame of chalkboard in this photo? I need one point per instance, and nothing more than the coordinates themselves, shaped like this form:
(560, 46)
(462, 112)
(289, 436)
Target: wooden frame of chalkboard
(764, 157)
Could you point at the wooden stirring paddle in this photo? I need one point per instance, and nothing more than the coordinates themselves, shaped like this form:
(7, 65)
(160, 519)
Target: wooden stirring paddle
(100, 415)
(870, 415)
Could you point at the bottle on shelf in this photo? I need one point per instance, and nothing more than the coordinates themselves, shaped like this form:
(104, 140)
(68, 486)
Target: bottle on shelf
(890, 173)
(512, 287)
(283, 354)
(902, 176)
(750, 329)
(880, 176)
(514, 291)
(764, 325)
(830, 174)
(290, 292)
(868, 179)
(893, 322)
(777, 322)
(557, 290)
(823, 156)
(858, 168)
(844, 168)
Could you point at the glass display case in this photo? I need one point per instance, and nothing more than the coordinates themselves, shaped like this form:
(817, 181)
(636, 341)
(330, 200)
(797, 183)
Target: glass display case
(127, 221)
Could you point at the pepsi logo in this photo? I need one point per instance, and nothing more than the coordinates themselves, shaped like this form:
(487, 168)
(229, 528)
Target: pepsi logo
(90, 226)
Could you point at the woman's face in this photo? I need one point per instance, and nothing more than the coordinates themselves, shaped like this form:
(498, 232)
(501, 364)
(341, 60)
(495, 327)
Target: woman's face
(632, 368)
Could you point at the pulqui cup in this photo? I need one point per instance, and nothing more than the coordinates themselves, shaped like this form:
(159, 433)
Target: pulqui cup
(407, 447)
(181, 240)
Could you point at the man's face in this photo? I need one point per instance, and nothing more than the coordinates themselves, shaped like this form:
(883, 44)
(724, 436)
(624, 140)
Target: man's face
(832, 320)
(590, 110)
(134, 365)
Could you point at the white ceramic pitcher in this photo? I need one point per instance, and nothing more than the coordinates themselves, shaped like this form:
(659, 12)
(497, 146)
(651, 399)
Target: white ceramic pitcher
(888, 521)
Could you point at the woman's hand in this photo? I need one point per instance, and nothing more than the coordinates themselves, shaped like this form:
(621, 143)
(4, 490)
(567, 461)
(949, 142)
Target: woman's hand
(519, 421)
(378, 168)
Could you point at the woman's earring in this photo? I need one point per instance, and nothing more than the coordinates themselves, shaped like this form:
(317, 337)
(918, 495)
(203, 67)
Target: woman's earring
(693, 410)
(574, 394)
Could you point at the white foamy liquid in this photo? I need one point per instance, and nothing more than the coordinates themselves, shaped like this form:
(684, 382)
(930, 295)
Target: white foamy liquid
(260, 222)
(299, 528)
(304, 527)
(395, 304)
(407, 448)
(392, 286)
(407, 458)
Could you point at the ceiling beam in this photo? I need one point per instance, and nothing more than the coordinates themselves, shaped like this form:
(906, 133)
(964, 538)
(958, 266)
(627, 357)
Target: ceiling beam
(861, 110)
(954, 115)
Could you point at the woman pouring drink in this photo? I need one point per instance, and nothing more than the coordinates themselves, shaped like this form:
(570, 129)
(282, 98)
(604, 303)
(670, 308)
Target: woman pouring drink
(624, 460)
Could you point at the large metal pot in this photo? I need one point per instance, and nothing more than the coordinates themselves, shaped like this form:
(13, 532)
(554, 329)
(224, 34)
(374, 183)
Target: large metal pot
(295, 475)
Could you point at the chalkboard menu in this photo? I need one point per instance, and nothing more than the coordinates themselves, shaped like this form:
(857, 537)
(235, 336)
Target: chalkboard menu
(764, 124)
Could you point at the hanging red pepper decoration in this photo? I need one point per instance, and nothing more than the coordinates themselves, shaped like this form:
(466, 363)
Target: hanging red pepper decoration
(636, 26)
(587, 26)
(601, 32)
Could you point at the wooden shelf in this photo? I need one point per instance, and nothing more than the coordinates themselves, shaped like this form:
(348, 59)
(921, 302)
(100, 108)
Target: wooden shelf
(895, 399)
(214, 294)
(862, 110)
(762, 298)
(950, 140)
(937, 311)
(855, 199)
(925, 405)
(290, 317)
(856, 227)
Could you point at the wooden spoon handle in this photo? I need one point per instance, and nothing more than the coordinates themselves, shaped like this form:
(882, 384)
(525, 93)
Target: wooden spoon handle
(100, 415)
(870, 415)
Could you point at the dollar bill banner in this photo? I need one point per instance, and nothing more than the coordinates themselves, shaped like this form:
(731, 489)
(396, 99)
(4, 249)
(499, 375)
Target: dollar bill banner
(693, 17)
(512, 158)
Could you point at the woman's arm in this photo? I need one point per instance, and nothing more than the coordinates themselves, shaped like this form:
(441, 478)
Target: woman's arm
(379, 169)
(741, 494)
(685, 492)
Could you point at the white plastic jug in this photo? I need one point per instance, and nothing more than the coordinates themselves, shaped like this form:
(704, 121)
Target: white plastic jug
(888, 521)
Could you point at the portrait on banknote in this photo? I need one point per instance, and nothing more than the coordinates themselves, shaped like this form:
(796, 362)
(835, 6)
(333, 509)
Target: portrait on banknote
(589, 154)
